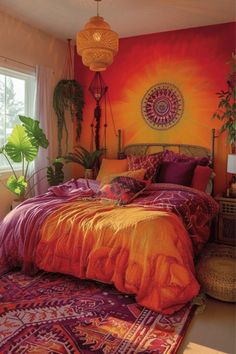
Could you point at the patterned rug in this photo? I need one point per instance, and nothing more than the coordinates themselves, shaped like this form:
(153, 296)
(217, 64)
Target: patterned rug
(54, 313)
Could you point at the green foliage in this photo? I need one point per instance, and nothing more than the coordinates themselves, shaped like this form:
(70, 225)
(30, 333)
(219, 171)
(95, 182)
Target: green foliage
(226, 110)
(19, 145)
(84, 157)
(68, 96)
(17, 185)
(35, 133)
(22, 146)
(55, 174)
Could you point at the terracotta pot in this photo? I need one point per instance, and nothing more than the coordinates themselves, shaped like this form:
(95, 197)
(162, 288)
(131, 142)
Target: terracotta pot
(16, 202)
(88, 173)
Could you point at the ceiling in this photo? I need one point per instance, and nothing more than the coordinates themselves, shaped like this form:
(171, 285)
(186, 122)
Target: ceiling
(63, 18)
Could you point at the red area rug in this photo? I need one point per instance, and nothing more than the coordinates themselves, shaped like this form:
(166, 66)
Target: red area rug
(54, 313)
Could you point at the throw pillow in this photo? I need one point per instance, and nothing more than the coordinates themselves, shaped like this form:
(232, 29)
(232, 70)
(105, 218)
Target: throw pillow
(137, 174)
(122, 189)
(201, 177)
(176, 172)
(172, 156)
(150, 163)
(109, 166)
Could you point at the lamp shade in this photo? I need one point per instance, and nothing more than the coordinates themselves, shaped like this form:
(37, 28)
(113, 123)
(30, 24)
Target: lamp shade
(231, 163)
(97, 44)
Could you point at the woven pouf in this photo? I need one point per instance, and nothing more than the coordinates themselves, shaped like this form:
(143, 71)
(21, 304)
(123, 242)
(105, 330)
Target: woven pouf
(216, 271)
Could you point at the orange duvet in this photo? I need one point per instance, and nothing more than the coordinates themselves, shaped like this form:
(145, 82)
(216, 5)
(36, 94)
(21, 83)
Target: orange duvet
(141, 251)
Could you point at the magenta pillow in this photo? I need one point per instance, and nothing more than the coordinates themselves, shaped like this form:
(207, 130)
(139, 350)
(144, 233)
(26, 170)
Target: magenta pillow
(171, 156)
(122, 189)
(150, 163)
(176, 172)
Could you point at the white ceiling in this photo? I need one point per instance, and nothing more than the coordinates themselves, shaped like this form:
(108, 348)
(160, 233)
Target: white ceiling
(63, 18)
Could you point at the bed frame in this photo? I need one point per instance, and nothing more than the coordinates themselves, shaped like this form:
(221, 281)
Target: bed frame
(149, 148)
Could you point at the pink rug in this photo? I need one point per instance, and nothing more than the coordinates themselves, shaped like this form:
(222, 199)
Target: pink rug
(54, 313)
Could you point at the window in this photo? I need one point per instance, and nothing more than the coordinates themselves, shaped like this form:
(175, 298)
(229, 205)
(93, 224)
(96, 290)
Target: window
(17, 97)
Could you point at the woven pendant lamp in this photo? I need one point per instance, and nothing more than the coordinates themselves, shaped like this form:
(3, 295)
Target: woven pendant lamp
(97, 43)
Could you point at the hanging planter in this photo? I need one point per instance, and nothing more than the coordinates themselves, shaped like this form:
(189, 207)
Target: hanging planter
(68, 96)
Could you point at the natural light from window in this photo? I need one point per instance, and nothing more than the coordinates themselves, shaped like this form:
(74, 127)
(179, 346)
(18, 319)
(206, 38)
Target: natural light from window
(17, 97)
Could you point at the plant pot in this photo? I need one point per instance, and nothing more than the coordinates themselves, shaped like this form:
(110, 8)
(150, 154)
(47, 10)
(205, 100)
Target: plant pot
(16, 202)
(88, 173)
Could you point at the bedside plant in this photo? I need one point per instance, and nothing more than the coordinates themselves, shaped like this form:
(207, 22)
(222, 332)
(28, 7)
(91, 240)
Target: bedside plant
(84, 158)
(226, 110)
(55, 174)
(22, 147)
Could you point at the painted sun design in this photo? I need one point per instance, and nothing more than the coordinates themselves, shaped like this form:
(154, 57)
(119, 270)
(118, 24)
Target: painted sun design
(162, 106)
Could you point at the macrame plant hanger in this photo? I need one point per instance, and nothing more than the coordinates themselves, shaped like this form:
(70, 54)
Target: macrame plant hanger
(98, 89)
(68, 96)
(67, 74)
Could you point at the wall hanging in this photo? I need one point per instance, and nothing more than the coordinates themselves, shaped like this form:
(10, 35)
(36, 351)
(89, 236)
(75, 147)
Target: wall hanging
(162, 106)
(97, 43)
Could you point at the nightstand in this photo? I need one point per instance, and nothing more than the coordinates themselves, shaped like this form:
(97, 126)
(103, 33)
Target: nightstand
(226, 223)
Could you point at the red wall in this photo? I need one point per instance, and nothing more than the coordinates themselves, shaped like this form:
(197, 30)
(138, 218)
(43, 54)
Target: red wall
(195, 60)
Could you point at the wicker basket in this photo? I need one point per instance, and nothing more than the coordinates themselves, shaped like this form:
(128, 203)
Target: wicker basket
(216, 272)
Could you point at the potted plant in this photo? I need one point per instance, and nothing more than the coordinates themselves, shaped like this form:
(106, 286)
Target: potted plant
(55, 174)
(226, 110)
(84, 158)
(22, 147)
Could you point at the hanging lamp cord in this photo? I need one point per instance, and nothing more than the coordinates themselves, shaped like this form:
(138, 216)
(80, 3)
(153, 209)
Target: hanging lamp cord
(97, 1)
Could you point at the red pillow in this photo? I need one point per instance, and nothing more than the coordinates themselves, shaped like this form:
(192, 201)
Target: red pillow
(122, 189)
(201, 177)
(176, 172)
(150, 163)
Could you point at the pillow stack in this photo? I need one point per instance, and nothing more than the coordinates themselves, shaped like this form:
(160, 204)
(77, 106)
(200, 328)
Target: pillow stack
(162, 167)
(184, 170)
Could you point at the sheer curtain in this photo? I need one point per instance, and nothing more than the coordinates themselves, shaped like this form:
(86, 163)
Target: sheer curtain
(43, 113)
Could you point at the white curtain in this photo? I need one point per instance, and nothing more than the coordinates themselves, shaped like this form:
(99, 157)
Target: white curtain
(43, 113)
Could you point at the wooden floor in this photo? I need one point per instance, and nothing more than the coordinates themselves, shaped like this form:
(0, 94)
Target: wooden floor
(213, 331)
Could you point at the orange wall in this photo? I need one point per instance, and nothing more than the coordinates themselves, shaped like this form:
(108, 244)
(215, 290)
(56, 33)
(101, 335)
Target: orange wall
(193, 59)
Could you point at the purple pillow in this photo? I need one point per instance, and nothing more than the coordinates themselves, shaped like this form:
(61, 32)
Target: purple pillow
(172, 156)
(176, 172)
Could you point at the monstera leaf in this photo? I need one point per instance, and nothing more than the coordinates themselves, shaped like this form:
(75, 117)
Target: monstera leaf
(35, 133)
(55, 174)
(19, 145)
(17, 185)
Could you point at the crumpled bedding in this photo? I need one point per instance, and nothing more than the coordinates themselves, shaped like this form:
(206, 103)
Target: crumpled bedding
(143, 249)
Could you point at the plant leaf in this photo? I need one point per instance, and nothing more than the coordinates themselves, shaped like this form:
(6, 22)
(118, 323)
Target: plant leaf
(55, 174)
(36, 134)
(17, 186)
(19, 145)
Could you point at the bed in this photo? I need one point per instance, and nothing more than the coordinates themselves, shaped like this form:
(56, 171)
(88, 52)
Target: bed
(145, 247)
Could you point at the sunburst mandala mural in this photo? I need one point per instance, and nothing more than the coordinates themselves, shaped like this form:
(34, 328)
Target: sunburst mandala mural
(162, 106)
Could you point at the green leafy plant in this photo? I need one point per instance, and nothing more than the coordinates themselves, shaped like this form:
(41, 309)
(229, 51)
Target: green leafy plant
(22, 147)
(84, 157)
(55, 174)
(68, 96)
(226, 110)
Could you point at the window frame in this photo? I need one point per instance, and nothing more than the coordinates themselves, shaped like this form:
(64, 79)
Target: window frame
(29, 95)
